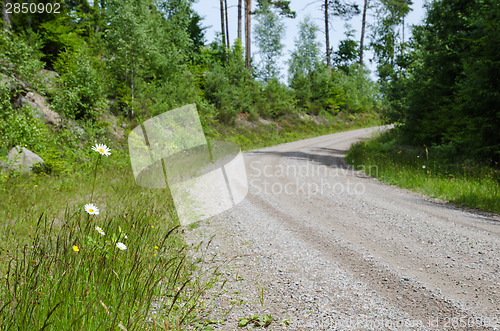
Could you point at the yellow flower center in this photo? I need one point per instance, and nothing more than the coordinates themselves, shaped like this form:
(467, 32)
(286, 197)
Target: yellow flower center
(91, 210)
(101, 150)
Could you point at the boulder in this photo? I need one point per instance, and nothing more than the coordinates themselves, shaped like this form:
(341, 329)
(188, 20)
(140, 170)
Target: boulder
(22, 159)
(41, 106)
(113, 127)
(12, 82)
(71, 125)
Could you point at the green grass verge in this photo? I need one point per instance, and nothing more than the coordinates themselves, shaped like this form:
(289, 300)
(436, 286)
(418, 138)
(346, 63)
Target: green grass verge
(59, 273)
(290, 128)
(435, 172)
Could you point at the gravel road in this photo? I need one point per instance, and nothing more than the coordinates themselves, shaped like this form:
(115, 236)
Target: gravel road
(319, 246)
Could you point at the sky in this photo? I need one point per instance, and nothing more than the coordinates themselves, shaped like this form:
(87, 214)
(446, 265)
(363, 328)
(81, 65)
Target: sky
(210, 11)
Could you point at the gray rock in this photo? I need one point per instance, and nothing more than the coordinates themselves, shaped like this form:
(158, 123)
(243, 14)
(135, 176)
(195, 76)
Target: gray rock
(49, 77)
(80, 132)
(12, 82)
(41, 106)
(21, 159)
(72, 126)
(113, 127)
(4, 79)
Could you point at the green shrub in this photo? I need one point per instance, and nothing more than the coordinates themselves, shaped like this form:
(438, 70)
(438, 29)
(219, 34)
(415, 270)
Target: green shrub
(361, 93)
(230, 87)
(325, 93)
(277, 100)
(20, 126)
(80, 92)
(159, 97)
(19, 58)
(316, 91)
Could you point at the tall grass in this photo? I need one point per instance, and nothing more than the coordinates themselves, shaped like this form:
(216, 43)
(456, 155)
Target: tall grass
(58, 272)
(436, 171)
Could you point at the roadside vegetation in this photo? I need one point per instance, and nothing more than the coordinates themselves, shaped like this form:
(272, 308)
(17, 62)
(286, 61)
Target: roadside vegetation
(92, 73)
(75, 255)
(443, 95)
(96, 70)
(433, 171)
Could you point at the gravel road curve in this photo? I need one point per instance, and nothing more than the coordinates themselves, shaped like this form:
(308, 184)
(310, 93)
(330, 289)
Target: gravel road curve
(319, 246)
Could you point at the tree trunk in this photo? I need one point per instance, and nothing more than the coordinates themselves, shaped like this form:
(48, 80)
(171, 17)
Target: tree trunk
(227, 24)
(223, 30)
(248, 25)
(6, 16)
(403, 40)
(97, 14)
(362, 34)
(239, 19)
(327, 36)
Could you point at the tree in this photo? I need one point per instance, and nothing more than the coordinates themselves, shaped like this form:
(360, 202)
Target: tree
(248, 31)
(239, 19)
(71, 27)
(283, 8)
(311, 80)
(336, 8)
(390, 14)
(327, 35)
(348, 51)
(5, 15)
(363, 24)
(227, 24)
(222, 29)
(304, 61)
(146, 41)
(306, 55)
(451, 94)
(269, 33)
(196, 31)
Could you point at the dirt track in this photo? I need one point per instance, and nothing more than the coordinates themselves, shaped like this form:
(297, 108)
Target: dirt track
(327, 248)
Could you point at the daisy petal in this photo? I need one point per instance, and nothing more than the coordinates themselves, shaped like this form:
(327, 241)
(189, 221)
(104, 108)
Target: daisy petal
(98, 229)
(102, 149)
(91, 209)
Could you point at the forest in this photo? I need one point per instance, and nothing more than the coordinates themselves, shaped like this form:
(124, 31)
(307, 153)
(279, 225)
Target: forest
(136, 59)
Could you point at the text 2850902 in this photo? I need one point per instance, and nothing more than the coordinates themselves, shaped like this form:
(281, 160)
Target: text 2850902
(33, 8)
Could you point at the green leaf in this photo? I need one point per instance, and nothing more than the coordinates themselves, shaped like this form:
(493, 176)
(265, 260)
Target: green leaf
(243, 322)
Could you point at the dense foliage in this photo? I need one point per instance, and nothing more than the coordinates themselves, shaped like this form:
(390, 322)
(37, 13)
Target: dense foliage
(136, 59)
(139, 58)
(446, 90)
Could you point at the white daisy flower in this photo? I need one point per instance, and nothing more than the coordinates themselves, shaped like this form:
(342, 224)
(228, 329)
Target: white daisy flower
(102, 149)
(100, 230)
(91, 209)
(121, 246)
(423, 167)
